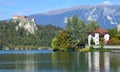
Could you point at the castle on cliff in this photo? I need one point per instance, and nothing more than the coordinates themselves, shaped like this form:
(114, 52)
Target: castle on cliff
(26, 23)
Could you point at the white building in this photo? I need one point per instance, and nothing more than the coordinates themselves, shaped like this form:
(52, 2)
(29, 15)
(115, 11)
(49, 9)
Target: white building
(96, 39)
(89, 39)
(95, 36)
(106, 37)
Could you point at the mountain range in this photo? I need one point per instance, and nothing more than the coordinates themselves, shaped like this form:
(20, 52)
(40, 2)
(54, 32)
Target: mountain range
(108, 16)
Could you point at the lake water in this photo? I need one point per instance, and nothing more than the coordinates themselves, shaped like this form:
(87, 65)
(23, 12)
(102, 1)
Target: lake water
(48, 61)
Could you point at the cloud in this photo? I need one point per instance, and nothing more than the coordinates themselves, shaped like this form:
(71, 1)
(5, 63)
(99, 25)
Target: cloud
(107, 3)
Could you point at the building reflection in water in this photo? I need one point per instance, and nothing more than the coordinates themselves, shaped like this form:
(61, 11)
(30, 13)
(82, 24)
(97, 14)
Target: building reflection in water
(107, 62)
(25, 63)
(98, 62)
(30, 63)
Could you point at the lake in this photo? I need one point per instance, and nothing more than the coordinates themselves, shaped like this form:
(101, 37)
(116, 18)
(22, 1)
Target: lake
(48, 61)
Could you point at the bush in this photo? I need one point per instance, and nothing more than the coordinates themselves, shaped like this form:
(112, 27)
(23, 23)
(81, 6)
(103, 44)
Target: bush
(85, 50)
(92, 48)
(55, 43)
(110, 42)
(113, 41)
(71, 49)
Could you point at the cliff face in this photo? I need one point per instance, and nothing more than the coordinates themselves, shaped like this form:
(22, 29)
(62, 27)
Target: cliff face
(26, 23)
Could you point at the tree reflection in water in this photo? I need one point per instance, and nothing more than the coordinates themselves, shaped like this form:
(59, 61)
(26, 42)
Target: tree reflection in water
(61, 62)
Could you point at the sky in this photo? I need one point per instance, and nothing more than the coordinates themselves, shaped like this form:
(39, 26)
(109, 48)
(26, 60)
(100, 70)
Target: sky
(9, 8)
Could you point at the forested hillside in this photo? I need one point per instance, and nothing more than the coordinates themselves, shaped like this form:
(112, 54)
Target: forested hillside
(12, 38)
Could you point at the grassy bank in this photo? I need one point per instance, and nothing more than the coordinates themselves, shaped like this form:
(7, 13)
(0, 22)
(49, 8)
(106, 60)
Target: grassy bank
(92, 49)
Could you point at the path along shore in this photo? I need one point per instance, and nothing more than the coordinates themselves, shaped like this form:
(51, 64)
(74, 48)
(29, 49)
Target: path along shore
(112, 47)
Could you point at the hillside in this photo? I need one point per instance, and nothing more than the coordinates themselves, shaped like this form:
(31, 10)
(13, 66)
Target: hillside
(106, 15)
(21, 38)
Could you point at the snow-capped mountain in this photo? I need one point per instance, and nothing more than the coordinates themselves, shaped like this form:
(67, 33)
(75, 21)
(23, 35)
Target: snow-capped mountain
(106, 15)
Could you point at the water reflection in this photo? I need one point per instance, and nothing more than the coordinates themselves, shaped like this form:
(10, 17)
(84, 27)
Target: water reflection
(88, 62)
(93, 62)
(29, 63)
(99, 62)
(60, 62)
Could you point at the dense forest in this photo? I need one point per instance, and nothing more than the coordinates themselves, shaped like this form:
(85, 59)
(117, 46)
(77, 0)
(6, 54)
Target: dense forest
(12, 38)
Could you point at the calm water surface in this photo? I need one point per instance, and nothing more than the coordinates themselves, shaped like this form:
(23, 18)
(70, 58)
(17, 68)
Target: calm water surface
(48, 61)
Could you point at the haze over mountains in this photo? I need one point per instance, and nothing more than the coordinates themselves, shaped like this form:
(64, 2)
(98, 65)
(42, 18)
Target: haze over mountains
(106, 15)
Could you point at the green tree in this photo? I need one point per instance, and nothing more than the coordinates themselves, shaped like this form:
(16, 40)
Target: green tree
(55, 43)
(76, 28)
(65, 41)
(69, 25)
(113, 32)
(92, 25)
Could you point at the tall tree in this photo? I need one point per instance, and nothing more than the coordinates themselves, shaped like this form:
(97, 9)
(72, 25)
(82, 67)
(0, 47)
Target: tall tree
(92, 25)
(64, 40)
(77, 28)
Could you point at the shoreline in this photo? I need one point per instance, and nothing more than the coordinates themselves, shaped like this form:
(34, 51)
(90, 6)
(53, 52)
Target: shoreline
(27, 48)
(110, 47)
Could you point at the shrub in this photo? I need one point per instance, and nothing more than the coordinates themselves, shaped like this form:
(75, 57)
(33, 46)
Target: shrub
(85, 50)
(113, 41)
(91, 48)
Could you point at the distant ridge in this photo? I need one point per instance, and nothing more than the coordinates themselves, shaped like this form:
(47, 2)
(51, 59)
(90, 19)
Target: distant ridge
(59, 11)
(106, 15)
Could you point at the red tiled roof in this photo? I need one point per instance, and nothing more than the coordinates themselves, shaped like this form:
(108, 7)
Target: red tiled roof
(100, 31)
(21, 16)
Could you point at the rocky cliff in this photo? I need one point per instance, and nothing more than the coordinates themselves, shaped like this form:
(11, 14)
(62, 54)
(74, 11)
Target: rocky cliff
(26, 23)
